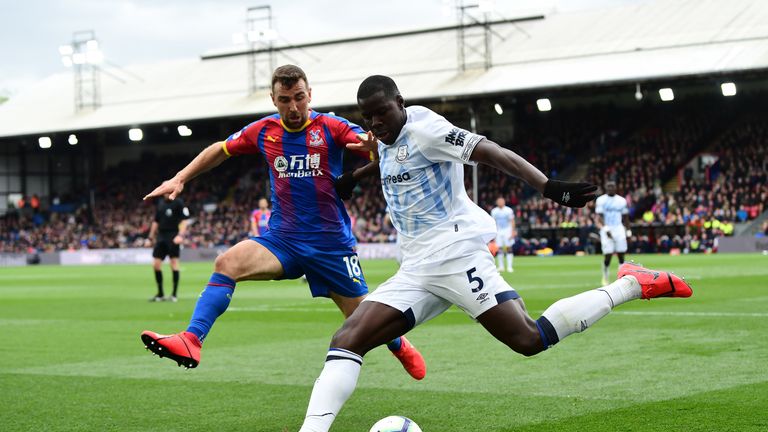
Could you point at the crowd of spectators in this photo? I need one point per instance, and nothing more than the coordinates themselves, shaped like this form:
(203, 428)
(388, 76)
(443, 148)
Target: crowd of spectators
(640, 152)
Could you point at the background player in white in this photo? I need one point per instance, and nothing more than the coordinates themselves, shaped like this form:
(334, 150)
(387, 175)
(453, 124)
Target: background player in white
(505, 232)
(613, 236)
(443, 237)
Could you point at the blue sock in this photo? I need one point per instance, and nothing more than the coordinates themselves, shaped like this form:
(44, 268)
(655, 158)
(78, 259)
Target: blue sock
(547, 332)
(213, 301)
(395, 345)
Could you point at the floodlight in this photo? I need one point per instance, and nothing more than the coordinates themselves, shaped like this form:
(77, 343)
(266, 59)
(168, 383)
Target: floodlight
(498, 108)
(79, 58)
(253, 36)
(72, 139)
(135, 134)
(44, 142)
(184, 130)
(66, 50)
(666, 94)
(728, 89)
(638, 93)
(544, 104)
(94, 57)
(269, 35)
(92, 45)
(66, 61)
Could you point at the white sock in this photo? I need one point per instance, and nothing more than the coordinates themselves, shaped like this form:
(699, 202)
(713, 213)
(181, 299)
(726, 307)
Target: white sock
(623, 290)
(576, 314)
(509, 261)
(500, 259)
(605, 271)
(335, 385)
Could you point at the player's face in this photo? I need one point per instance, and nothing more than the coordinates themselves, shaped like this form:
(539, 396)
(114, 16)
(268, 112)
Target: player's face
(500, 202)
(292, 103)
(383, 116)
(263, 204)
(610, 189)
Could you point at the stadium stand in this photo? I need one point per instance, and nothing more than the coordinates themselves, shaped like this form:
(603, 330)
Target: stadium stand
(641, 151)
(597, 131)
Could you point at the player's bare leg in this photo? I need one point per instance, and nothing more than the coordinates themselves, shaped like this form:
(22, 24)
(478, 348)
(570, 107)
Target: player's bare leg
(411, 359)
(510, 323)
(372, 324)
(247, 260)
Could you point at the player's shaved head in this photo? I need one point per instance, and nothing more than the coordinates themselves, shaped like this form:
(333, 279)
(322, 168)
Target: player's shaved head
(378, 83)
(288, 76)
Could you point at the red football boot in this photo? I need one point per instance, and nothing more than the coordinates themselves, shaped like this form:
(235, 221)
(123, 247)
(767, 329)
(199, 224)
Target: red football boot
(656, 283)
(411, 359)
(184, 348)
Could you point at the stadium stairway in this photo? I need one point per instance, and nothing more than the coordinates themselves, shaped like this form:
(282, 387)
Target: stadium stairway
(750, 228)
(672, 185)
(576, 171)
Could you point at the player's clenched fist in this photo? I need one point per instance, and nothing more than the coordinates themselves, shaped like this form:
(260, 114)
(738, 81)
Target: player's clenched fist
(570, 194)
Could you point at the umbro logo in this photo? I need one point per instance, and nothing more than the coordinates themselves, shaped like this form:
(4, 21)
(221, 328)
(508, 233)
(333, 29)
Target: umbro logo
(483, 297)
(566, 197)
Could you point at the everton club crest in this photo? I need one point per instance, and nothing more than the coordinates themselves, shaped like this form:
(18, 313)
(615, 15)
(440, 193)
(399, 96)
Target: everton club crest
(402, 153)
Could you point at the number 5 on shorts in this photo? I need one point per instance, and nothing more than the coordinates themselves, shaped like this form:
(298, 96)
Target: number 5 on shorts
(473, 279)
(353, 266)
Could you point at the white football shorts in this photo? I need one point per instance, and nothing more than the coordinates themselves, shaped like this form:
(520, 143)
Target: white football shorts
(618, 242)
(503, 239)
(467, 277)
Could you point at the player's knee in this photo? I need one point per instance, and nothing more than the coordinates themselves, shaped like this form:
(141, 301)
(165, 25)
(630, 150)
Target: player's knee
(226, 265)
(349, 337)
(527, 343)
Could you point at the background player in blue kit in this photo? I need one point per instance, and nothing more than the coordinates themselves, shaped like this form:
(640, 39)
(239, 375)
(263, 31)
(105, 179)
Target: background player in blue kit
(309, 229)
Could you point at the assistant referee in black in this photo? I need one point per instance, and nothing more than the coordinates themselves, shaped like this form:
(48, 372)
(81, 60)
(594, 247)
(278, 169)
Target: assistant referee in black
(167, 233)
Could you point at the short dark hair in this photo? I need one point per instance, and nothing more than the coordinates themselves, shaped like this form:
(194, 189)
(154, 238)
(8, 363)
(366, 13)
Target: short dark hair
(376, 83)
(288, 76)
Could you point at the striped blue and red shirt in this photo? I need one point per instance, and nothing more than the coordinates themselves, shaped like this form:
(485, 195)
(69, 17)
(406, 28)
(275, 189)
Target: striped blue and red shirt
(303, 164)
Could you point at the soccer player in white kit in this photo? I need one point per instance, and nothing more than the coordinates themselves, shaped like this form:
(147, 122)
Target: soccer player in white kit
(505, 232)
(445, 260)
(613, 236)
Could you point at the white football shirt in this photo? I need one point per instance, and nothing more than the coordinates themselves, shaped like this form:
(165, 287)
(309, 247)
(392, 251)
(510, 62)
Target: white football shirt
(502, 217)
(422, 177)
(611, 207)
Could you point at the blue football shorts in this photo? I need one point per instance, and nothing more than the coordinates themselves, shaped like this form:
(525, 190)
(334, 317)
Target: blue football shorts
(326, 270)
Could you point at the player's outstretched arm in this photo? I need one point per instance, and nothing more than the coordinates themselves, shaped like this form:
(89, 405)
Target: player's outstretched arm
(568, 194)
(210, 157)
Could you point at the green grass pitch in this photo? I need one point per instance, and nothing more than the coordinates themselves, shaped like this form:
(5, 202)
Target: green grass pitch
(71, 358)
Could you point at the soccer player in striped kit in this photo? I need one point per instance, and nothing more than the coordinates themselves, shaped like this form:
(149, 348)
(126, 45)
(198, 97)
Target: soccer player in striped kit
(310, 231)
(443, 238)
(260, 218)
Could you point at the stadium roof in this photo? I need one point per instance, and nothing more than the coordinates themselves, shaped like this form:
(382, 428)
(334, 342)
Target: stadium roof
(637, 42)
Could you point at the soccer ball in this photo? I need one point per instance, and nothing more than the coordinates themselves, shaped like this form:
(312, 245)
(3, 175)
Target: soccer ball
(395, 424)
